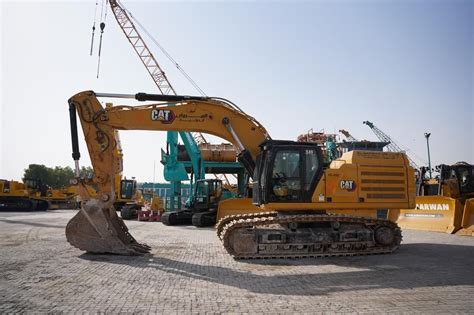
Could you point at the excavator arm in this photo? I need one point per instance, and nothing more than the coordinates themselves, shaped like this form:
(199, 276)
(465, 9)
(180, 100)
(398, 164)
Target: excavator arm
(96, 227)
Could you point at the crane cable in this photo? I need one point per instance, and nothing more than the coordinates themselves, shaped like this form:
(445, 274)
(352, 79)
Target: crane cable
(103, 18)
(93, 26)
(193, 83)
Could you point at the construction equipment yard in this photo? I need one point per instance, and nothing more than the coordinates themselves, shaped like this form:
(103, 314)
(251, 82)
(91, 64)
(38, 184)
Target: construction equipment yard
(247, 183)
(188, 271)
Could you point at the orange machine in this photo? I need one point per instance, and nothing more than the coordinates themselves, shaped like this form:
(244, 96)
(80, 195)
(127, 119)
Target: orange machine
(304, 207)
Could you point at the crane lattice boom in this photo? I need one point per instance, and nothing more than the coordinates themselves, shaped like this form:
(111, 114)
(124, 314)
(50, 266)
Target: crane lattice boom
(147, 58)
(392, 146)
(348, 136)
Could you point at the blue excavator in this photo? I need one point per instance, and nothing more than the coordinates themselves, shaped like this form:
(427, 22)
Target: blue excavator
(201, 207)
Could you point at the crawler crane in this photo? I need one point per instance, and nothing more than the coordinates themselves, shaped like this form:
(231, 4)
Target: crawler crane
(299, 208)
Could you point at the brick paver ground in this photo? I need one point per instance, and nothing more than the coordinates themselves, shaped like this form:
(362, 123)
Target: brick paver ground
(189, 272)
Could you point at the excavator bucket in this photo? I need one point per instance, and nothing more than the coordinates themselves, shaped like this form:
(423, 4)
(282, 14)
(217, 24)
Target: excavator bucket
(432, 213)
(467, 225)
(97, 228)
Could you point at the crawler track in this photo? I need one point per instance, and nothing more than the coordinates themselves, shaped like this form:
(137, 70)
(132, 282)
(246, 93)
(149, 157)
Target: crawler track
(230, 218)
(268, 235)
(22, 204)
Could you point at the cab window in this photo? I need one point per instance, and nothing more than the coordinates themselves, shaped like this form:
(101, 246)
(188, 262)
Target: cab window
(286, 176)
(311, 167)
(127, 189)
(466, 179)
(202, 189)
(31, 183)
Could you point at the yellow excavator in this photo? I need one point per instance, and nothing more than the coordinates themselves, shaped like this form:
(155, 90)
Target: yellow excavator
(26, 196)
(125, 191)
(443, 204)
(299, 207)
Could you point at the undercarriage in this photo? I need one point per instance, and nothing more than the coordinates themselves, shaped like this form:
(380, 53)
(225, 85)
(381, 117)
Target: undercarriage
(188, 216)
(277, 235)
(22, 204)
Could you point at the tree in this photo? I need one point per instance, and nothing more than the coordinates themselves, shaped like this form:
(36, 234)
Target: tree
(38, 171)
(87, 172)
(56, 177)
(61, 176)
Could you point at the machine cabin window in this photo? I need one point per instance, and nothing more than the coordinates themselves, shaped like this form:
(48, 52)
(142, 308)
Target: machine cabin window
(208, 189)
(31, 184)
(202, 189)
(216, 189)
(465, 177)
(311, 167)
(127, 189)
(293, 175)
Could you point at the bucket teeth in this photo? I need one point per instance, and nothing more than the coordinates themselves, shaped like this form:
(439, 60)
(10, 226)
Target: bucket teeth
(97, 228)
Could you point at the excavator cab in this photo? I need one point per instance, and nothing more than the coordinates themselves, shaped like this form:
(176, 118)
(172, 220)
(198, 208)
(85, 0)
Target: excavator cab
(286, 171)
(38, 191)
(128, 188)
(202, 210)
(207, 194)
(35, 185)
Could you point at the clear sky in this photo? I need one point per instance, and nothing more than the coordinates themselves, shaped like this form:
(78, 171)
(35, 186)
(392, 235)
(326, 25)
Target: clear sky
(407, 66)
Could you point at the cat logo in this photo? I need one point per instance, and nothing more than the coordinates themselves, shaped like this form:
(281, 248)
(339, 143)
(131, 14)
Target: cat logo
(166, 116)
(347, 185)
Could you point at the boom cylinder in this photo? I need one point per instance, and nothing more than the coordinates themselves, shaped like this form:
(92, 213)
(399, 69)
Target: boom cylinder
(76, 155)
(142, 97)
(167, 98)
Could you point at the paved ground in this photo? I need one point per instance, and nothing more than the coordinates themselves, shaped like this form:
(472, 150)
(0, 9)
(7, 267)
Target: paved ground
(189, 272)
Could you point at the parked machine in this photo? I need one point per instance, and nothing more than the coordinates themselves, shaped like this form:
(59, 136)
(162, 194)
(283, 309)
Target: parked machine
(128, 198)
(127, 193)
(63, 198)
(444, 203)
(27, 196)
(202, 210)
(299, 208)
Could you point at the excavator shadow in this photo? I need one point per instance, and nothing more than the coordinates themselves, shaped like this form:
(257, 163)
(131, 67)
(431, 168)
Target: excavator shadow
(31, 223)
(413, 266)
(191, 227)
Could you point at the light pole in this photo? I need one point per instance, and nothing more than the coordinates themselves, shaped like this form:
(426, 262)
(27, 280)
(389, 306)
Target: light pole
(427, 136)
(153, 185)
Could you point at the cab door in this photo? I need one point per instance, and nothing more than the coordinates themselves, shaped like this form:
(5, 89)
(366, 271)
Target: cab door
(293, 173)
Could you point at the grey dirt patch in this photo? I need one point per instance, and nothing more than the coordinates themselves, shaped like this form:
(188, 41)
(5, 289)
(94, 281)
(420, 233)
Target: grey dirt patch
(188, 271)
